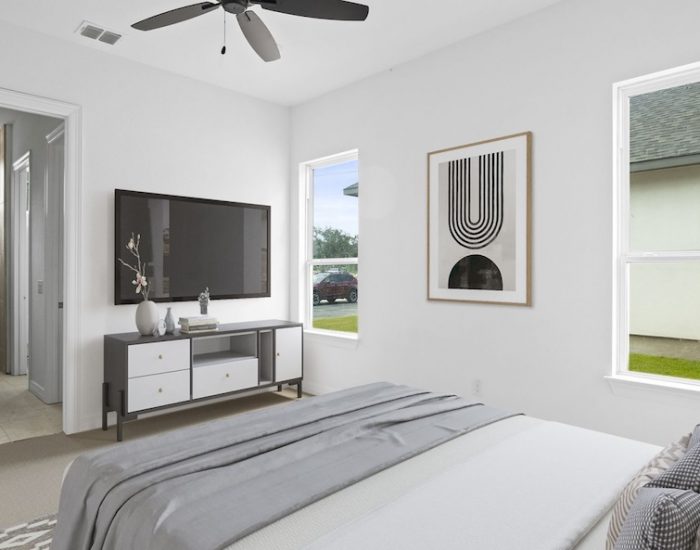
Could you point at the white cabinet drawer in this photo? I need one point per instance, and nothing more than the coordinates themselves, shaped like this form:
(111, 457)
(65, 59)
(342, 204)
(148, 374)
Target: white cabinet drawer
(224, 377)
(157, 390)
(159, 357)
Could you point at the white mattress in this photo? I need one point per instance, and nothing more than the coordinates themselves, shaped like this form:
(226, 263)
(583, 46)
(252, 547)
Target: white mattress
(595, 539)
(520, 483)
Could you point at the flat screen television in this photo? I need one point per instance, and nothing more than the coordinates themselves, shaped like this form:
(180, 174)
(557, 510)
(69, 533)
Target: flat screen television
(189, 244)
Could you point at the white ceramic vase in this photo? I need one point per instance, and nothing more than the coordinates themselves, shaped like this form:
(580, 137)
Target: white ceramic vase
(146, 317)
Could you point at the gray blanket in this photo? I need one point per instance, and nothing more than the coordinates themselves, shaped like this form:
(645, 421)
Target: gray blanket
(207, 486)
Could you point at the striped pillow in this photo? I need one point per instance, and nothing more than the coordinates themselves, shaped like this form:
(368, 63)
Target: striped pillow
(656, 466)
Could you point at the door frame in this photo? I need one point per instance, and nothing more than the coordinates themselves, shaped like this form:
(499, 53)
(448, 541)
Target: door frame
(72, 238)
(19, 276)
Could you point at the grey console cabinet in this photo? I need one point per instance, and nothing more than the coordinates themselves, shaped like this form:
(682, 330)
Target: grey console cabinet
(148, 373)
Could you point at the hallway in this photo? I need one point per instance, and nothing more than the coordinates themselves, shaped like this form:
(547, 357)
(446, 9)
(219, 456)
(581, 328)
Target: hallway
(22, 415)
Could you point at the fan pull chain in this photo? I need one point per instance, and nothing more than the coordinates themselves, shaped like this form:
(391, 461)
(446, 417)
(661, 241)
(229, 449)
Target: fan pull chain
(223, 50)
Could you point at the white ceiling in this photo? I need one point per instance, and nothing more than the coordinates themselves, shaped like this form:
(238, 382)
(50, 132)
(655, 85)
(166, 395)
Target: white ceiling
(317, 56)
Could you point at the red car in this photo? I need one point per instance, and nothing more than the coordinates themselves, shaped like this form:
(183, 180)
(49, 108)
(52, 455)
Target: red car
(332, 286)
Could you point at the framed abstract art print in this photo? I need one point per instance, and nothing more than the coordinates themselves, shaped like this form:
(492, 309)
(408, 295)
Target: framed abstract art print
(479, 222)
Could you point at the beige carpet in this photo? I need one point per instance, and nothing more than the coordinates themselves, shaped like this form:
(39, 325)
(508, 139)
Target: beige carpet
(31, 470)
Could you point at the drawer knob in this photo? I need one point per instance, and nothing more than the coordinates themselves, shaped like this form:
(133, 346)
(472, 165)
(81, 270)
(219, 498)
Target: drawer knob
(160, 390)
(228, 375)
(160, 356)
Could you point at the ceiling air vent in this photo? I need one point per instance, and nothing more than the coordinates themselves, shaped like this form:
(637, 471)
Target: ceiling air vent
(109, 38)
(95, 32)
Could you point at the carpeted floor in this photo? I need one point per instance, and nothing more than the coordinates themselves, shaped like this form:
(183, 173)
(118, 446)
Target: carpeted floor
(31, 470)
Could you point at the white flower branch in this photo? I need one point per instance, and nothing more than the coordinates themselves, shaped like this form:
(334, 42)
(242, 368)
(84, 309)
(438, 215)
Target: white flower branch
(127, 265)
(140, 281)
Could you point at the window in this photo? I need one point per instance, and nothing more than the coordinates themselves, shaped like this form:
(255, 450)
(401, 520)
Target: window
(331, 277)
(658, 226)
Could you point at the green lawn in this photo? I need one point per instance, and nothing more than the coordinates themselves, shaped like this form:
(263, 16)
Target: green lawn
(343, 324)
(666, 366)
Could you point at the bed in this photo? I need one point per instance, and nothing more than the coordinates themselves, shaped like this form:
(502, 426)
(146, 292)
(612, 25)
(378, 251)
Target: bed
(502, 481)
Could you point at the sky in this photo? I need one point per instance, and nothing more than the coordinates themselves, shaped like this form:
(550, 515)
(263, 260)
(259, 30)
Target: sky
(331, 207)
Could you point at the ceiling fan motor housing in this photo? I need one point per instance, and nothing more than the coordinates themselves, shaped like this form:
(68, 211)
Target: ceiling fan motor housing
(235, 6)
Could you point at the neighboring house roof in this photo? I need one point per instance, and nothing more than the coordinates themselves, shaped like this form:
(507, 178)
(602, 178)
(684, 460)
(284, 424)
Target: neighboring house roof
(665, 128)
(352, 190)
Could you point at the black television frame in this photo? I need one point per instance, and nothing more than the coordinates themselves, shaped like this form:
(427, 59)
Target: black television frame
(118, 193)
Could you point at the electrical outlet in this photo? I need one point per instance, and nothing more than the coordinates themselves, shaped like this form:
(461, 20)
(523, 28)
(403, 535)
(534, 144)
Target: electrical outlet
(476, 387)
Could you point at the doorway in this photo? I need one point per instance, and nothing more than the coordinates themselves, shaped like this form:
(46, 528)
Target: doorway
(71, 314)
(31, 384)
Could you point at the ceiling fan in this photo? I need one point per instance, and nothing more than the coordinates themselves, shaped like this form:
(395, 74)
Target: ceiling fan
(254, 30)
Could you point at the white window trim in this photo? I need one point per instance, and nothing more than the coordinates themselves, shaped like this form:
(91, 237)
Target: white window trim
(306, 209)
(621, 379)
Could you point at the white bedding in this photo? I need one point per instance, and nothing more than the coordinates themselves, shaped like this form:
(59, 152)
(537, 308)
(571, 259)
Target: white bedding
(596, 537)
(519, 483)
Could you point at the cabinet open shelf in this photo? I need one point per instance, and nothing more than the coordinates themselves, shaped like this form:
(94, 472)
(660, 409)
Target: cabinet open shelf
(224, 348)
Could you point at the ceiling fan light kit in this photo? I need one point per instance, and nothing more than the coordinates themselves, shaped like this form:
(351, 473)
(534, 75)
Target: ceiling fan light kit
(255, 31)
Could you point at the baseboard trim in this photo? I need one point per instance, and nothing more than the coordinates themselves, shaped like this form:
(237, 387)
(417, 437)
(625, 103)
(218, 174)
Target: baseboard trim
(37, 389)
(314, 388)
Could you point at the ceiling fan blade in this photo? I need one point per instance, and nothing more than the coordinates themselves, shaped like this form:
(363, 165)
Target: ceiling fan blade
(258, 36)
(174, 16)
(339, 10)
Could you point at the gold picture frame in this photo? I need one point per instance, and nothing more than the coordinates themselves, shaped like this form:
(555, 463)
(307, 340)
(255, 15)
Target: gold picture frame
(479, 221)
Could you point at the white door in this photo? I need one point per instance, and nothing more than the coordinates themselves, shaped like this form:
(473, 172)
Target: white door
(55, 175)
(287, 354)
(20, 261)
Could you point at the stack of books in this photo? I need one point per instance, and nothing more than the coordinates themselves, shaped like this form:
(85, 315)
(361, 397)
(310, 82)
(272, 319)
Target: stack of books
(190, 325)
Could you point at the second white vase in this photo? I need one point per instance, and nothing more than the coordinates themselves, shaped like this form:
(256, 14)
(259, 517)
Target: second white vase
(146, 317)
(169, 322)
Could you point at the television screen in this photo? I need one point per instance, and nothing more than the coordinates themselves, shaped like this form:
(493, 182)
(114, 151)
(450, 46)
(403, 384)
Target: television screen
(188, 244)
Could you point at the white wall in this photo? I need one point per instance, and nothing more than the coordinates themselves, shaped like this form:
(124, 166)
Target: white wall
(153, 131)
(29, 133)
(665, 298)
(550, 73)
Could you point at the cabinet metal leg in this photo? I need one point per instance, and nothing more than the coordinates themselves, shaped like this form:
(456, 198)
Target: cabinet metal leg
(120, 416)
(279, 387)
(105, 404)
(299, 389)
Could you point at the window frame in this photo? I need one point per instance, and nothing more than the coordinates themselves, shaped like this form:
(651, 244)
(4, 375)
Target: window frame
(623, 256)
(306, 172)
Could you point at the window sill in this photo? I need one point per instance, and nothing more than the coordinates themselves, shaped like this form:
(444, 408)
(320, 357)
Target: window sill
(336, 338)
(645, 386)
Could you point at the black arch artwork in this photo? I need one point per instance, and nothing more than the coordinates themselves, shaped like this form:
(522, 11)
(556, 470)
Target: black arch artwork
(481, 230)
(475, 272)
